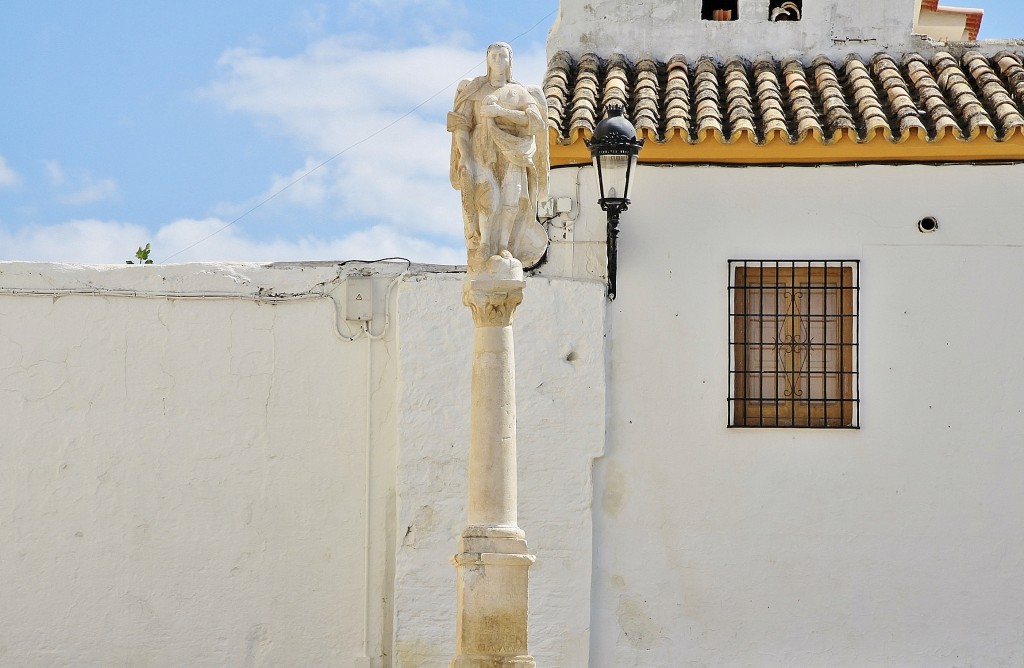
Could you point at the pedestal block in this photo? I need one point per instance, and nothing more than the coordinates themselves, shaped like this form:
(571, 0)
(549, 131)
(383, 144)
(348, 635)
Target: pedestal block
(493, 606)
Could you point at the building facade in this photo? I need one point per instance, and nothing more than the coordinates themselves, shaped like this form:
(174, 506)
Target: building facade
(818, 208)
(792, 439)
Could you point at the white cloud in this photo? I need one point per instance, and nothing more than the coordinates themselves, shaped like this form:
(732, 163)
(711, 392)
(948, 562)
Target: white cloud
(91, 190)
(8, 177)
(342, 93)
(309, 186)
(81, 187)
(232, 244)
(335, 94)
(313, 20)
(97, 241)
(56, 173)
(75, 241)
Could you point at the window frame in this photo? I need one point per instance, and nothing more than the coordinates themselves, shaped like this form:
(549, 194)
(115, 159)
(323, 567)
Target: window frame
(784, 277)
(778, 4)
(709, 7)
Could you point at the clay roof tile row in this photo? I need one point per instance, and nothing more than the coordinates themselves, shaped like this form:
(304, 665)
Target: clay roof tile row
(792, 100)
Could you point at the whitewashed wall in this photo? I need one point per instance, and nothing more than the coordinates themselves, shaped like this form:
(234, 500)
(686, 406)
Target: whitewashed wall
(183, 480)
(834, 28)
(664, 29)
(188, 481)
(898, 544)
(218, 480)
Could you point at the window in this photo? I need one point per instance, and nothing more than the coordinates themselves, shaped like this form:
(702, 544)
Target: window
(785, 10)
(793, 344)
(719, 10)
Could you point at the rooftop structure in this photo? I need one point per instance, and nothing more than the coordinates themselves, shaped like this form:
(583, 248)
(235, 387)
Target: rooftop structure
(947, 23)
(819, 83)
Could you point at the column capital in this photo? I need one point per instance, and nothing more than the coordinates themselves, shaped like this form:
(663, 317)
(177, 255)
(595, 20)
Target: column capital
(494, 292)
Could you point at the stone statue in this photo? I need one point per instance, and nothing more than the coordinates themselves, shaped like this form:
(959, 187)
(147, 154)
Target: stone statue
(499, 163)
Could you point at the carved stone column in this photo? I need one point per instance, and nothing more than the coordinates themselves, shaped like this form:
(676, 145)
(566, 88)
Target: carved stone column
(493, 562)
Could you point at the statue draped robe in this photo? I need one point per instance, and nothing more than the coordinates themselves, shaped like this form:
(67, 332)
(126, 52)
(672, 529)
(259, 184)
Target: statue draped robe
(503, 179)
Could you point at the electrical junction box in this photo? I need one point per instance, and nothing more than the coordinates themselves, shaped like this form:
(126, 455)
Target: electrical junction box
(359, 304)
(551, 207)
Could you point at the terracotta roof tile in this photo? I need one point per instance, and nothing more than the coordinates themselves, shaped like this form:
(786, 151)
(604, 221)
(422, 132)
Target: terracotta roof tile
(834, 107)
(647, 96)
(1012, 71)
(995, 95)
(616, 83)
(867, 105)
(792, 100)
(938, 117)
(677, 114)
(706, 99)
(902, 106)
(801, 102)
(968, 108)
(584, 110)
(768, 94)
(557, 89)
(739, 103)
(974, 24)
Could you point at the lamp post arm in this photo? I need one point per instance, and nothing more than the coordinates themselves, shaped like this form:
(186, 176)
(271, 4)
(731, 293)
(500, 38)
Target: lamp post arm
(613, 247)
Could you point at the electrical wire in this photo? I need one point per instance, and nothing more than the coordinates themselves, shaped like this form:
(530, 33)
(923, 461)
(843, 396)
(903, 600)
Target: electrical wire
(365, 329)
(262, 296)
(349, 147)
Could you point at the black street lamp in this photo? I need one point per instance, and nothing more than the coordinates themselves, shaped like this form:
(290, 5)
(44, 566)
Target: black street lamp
(614, 148)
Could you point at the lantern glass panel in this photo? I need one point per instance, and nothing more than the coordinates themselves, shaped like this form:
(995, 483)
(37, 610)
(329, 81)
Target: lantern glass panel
(630, 173)
(598, 176)
(614, 172)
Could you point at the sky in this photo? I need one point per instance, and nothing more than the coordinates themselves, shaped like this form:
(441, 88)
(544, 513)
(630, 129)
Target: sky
(179, 123)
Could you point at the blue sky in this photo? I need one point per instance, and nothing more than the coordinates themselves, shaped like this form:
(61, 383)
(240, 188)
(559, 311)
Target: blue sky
(128, 122)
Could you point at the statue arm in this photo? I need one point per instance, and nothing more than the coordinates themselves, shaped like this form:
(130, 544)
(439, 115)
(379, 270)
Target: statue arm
(519, 118)
(459, 123)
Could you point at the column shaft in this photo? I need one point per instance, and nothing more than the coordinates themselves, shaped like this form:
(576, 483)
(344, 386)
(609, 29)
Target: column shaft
(492, 450)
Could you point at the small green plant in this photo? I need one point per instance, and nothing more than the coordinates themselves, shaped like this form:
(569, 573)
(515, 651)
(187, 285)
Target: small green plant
(142, 255)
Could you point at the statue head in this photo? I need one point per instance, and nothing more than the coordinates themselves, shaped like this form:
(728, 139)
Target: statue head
(499, 59)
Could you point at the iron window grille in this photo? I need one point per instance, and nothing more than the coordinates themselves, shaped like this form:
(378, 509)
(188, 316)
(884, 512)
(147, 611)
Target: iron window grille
(793, 343)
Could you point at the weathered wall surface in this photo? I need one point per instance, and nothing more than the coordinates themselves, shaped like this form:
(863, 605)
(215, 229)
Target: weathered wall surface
(183, 480)
(648, 28)
(218, 478)
(896, 544)
(221, 478)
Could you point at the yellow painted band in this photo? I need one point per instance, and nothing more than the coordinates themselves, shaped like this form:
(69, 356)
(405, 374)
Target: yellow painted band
(844, 147)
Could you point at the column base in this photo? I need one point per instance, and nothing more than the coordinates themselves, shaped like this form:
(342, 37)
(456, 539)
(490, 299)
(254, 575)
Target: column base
(477, 540)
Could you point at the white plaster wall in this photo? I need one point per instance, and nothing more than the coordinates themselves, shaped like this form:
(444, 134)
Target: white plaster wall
(896, 544)
(654, 28)
(560, 392)
(184, 481)
(212, 480)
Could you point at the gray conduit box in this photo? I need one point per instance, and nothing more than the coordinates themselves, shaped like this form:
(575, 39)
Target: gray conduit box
(359, 303)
